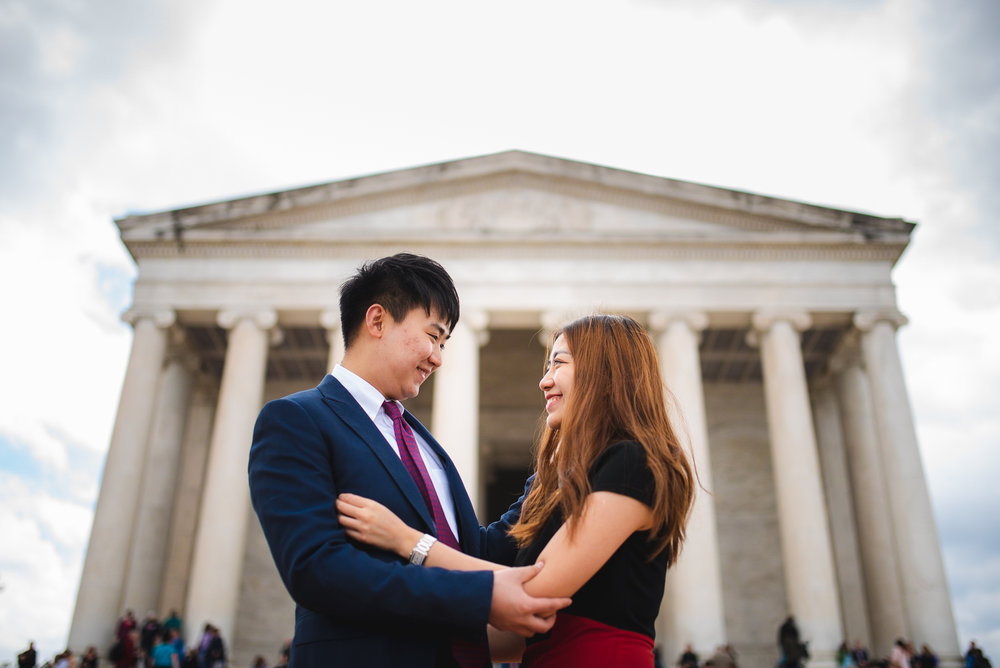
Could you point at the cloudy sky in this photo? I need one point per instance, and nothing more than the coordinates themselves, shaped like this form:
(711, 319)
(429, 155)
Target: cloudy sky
(890, 107)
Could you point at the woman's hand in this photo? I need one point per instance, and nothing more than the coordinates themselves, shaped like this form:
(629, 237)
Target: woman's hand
(373, 524)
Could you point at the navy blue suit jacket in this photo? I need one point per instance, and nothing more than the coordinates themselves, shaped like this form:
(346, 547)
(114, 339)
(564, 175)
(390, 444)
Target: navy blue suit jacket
(357, 606)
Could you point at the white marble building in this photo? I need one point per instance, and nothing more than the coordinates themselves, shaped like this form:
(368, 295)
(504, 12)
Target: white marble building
(775, 321)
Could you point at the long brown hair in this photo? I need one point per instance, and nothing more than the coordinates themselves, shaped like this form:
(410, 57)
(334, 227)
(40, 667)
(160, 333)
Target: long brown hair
(618, 394)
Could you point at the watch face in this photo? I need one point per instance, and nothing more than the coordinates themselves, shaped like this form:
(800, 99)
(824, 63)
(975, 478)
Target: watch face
(421, 549)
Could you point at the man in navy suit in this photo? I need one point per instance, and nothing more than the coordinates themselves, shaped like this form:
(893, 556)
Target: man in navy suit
(356, 606)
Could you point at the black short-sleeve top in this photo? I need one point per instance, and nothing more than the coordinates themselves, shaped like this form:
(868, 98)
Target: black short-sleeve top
(626, 592)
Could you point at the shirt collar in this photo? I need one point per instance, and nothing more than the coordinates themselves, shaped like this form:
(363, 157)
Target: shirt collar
(363, 392)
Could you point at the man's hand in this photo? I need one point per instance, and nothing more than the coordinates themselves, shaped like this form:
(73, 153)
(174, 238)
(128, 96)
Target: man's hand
(512, 609)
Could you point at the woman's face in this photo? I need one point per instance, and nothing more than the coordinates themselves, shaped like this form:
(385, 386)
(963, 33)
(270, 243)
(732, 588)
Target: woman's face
(557, 383)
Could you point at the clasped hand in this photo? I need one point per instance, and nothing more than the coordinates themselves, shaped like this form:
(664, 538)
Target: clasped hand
(511, 607)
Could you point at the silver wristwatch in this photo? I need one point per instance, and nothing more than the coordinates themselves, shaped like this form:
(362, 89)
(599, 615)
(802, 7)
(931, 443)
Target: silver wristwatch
(420, 550)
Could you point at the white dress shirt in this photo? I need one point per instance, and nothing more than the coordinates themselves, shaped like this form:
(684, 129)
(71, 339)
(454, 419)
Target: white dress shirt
(371, 401)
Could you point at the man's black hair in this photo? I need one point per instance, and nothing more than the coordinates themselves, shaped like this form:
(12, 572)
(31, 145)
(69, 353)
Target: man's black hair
(400, 283)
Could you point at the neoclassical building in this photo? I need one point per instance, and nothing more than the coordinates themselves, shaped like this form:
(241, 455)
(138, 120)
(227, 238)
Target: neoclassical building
(775, 323)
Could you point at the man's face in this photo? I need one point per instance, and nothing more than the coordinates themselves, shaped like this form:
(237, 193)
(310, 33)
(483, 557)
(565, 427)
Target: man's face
(411, 351)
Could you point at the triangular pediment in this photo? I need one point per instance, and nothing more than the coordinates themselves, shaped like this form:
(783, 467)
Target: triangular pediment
(511, 196)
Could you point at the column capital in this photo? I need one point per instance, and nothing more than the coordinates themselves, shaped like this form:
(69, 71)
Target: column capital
(553, 320)
(161, 317)
(866, 320)
(659, 321)
(762, 321)
(264, 318)
(478, 321)
(329, 319)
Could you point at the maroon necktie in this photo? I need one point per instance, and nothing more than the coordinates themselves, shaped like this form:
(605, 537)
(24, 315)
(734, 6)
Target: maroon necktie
(468, 653)
(414, 463)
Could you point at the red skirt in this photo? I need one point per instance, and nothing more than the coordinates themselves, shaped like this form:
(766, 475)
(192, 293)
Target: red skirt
(578, 642)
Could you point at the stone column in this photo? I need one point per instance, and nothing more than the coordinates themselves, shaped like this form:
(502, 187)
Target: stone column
(924, 586)
(840, 509)
(693, 606)
(152, 523)
(187, 496)
(330, 321)
(216, 568)
(455, 408)
(810, 582)
(98, 602)
(879, 561)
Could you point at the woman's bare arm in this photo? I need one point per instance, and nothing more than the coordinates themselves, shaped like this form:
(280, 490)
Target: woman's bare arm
(607, 521)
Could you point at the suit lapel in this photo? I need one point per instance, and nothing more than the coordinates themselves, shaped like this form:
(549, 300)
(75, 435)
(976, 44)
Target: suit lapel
(350, 412)
(465, 514)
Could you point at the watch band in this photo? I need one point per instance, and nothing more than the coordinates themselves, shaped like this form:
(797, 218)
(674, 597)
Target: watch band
(420, 550)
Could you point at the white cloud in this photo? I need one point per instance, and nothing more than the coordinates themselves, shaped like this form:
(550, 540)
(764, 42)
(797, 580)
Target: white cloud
(61, 50)
(68, 351)
(40, 563)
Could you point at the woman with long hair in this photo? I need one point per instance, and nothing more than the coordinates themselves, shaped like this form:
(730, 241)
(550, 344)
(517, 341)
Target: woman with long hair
(607, 509)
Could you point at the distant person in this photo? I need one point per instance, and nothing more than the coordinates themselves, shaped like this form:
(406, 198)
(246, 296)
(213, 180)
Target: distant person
(844, 658)
(173, 622)
(792, 648)
(129, 650)
(970, 655)
(64, 659)
(899, 657)
(974, 657)
(203, 643)
(215, 655)
(149, 633)
(89, 658)
(283, 654)
(722, 658)
(688, 658)
(927, 658)
(164, 653)
(174, 638)
(28, 658)
(190, 659)
(126, 624)
(859, 655)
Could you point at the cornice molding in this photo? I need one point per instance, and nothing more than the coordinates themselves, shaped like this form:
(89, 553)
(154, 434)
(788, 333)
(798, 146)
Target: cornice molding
(636, 248)
(512, 169)
(291, 214)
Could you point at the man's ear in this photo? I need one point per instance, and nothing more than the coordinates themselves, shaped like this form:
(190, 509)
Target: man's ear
(376, 318)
